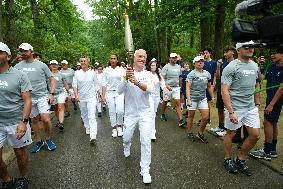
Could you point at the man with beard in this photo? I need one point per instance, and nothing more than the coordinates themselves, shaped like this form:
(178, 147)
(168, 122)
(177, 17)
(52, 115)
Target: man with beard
(38, 73)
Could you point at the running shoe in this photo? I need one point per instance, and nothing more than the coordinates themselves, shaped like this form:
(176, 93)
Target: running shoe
(230, 166)
(22, 183)
(217, 129)
(114, 133)
(57, 124)
(75, 107)
(260, 154)
(146, 178)
(50, 145)
(61, 126)
(104, 108)
(182, 123)
(87, 131)
(99, 114)
(201, 138)
(37, 146)
(221, 133)
(191, 136)
(119, 131)
(92, 139)
(67, 114)
(273, 154)
(242, 167)
(163, 117)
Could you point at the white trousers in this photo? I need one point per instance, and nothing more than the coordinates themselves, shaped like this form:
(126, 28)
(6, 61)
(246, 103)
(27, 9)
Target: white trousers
(115, 103)
(154, 102)
(88, 109)
(144, 122)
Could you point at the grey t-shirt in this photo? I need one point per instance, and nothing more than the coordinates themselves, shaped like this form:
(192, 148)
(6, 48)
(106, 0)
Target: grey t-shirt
(69, 74)
(12, 83)
(38, 74)
(172, 74)
(199, 81)
(59, 85)
(241, 77)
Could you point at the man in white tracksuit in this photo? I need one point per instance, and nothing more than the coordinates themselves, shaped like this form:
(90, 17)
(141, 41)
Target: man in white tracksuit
(85, 87)
(115, 102)
(137, 86)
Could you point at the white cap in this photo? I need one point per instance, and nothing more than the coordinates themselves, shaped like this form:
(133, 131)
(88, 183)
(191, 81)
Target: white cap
(78, 64)
(153, 60)
(64, 62)
(240, 45)
(53, 62)
(26, 47)
(198, 58)
(96, 63)
(173, 55)
(5, 48)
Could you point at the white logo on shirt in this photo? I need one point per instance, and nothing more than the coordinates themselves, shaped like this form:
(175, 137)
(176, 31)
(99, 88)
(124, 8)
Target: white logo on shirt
(248, 72)
(29, 69)
(3, 84)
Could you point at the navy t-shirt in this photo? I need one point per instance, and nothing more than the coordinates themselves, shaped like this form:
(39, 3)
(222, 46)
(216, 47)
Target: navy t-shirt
(223, 65)
(184, 77)
(274, 77)
(211, 67)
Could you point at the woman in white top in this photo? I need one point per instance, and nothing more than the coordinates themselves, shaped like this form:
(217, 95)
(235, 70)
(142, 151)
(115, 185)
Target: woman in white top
(85, 87)
(158, 82)
(115, 102)
(61, 87)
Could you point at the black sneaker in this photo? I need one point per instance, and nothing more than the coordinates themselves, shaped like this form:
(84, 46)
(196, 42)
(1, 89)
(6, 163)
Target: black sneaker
(99, 114)
(75, 107)
(201, 138)
(104, 109)
(61, 126)
(57, 124)
(10, 184)
(67, 114)
(22, 183)
(182, 123)
(230, 166)
(163, 117)
(273, 154)
(242, 167)
(191, 136)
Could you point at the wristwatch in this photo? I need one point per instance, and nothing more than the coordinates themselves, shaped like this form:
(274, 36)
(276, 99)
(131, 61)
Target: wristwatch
(25, 120)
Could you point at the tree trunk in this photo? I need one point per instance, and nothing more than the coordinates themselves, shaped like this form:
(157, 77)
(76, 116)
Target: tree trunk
(35, 14)
(205, 33)
(163, 45)
(219, 29)
(10, 24)
(1, 21)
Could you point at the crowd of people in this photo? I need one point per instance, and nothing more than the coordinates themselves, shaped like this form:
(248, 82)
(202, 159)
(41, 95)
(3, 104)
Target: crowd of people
(132, 95)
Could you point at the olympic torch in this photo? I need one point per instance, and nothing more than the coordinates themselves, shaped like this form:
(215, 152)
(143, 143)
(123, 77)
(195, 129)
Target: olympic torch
(129, 46)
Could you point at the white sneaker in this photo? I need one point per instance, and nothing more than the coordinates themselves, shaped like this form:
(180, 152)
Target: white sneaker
(114, 133)
(87, 131)
(120, 131)
(153, 137)
(221, 133)
(127, 151)
(146, 178)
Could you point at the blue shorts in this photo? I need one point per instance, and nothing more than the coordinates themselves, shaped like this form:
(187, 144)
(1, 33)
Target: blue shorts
(273, 117)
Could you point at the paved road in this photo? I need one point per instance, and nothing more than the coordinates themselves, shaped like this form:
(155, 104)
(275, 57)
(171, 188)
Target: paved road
(176, 162)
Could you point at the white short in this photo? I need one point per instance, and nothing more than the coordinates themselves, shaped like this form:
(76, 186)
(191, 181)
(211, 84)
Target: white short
(8, 135)
(59, 98)
(39, 106)
(202, 105)
(174, 93)
(248, 118)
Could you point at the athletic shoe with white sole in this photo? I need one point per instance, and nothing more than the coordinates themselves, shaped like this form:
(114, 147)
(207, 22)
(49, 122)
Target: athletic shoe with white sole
(120, 131)
(114, 133)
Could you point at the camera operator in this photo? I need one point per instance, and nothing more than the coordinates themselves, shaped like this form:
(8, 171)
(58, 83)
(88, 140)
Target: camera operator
(274, 102)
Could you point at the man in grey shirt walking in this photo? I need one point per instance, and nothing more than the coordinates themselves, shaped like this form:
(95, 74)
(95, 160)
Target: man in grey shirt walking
(15, 107)
(238, 83)
(38, 74)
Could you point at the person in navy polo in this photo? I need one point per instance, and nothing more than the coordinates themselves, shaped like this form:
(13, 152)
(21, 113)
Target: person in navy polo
(274, 102)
